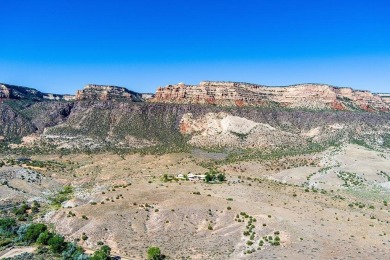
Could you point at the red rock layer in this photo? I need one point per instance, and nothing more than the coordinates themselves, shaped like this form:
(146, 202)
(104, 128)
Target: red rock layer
(315, 96)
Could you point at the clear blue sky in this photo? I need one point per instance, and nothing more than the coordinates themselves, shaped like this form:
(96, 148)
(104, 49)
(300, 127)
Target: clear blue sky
(59, 46)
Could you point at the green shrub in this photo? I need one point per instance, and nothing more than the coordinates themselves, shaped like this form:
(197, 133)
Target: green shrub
(221, 177)
(102, 254)
(5, 242)
(213, 175)
(21, 210)
(73, 251)
(33, 232)
(67, 190)
(44, 238)
(7, 225)
(57, 244)
(154, 253)
(63, 195)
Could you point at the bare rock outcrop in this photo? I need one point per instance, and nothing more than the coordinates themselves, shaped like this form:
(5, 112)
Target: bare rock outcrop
(4, 92)
(104, 93)
(313, 96)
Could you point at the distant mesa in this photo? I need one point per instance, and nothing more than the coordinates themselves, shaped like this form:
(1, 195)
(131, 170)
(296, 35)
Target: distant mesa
(385, 97)
(221, 93)
(90, 92)
(59, 97)
(105, 92)
(310, 95)
(17, 92)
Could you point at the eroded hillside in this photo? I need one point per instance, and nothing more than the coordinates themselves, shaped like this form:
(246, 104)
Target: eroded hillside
(119, 124)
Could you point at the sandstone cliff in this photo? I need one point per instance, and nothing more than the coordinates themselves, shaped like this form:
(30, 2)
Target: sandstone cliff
(313, 96)
(102, 92)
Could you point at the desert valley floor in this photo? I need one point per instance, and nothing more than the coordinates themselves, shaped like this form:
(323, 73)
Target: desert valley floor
(329, 205)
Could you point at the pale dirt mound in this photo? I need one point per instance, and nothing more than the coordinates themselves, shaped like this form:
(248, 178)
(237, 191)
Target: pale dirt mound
(238, 125)
(224, 130)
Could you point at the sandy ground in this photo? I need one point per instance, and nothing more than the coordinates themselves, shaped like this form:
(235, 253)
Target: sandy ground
(122, 202)
(16, 251)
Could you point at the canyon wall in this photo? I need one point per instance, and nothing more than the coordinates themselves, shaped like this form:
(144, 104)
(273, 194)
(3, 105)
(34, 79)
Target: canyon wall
(308, 96)
(313, 96)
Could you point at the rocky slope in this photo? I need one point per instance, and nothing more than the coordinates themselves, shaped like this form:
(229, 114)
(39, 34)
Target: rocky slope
(120, 124)
(313, 96)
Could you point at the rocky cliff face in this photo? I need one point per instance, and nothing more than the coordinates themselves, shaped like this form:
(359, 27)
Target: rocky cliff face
(13, 124)
(23, 93)
(102, 92)
(313, 96)
(18, 119)
(108, 116)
